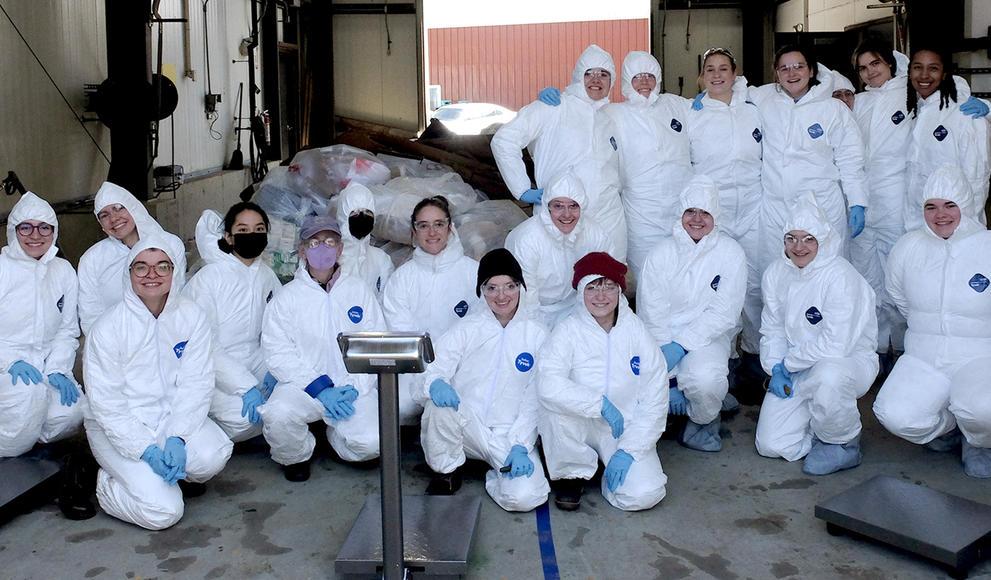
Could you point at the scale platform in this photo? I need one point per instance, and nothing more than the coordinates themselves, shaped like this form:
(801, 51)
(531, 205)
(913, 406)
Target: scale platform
(437, 533)
(19, 476)
(951, 530)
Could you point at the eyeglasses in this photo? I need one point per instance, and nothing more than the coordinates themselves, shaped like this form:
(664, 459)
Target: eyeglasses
(437, 225)
(721, 51)
(795, 66)
(110, 211)
(694, 212)
(143, 269)
(597, 73)
(25, 229)
(508, 288)
(559, 206)
(332, 241)
(644, 77)
(603, 287)
(807, 240)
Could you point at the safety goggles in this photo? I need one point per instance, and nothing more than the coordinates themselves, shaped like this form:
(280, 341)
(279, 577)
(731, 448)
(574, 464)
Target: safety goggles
(716, 50)
(602, 287)
(495, 289)
(435, 225)
(808, 240)
(795, 66)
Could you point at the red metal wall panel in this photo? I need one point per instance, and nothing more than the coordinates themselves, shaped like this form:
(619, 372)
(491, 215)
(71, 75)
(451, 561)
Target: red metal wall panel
(508, 65)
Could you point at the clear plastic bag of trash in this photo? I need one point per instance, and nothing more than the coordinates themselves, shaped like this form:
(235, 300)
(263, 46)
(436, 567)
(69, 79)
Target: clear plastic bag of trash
(332, 168)
(281, 253)
(403, 167)
(288, 196)
(394, 202)
(485, 226)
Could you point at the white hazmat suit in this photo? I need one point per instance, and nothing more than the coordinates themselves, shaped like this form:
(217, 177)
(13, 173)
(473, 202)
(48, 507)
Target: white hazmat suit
(580, 364)
(38, 325)
(574, 136)
(360, 258)
(233, 297)
(149, 379)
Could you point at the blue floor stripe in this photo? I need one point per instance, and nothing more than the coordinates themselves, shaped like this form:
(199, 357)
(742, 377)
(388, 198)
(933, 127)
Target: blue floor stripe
(547, 556)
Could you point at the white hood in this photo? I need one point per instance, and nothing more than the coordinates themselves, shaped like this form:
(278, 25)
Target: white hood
(110, 194)
(637, 62)
(591, 57)
(30, 207)
(210, 229)
(131, 299)
(569, 186)
(703, 193)
(352, 198)
(805, 215)
(949, 182)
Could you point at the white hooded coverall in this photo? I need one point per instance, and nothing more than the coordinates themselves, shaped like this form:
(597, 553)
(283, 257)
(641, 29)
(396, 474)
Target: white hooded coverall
(38, 325)
(428, 293)
(580, 364)
(726, 145)
(103, 264)
(940, 286)
(820, 321)
(493, 370)
(299, 339)
(233, 297)
(547, 255)
(692, 293)
(149, 379)
(574, 136)
(360, 258)
(654, 157)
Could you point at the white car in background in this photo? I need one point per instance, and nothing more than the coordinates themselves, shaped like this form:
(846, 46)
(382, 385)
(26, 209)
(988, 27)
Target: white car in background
(473, 118)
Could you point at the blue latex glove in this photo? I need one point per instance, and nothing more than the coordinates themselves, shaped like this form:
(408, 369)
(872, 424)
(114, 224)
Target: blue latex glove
(857, 220)
(780, 378)
(612, 416)
(673, 353)
(616, 470)
(444, 395)
(532, 196)
(550, 96)
(25, 372)
(67, 389)
(175, 459)
(697, 103)
(250, 402)
(678, 404)
(337, 401)
(974, 107)
(267, 385)
(155, 458)
(519, 462)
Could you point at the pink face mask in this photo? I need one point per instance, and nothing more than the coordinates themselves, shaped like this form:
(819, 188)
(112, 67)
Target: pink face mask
(322, 257)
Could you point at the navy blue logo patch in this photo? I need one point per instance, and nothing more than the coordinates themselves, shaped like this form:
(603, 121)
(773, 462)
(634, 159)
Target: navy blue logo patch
(898, 117)
(356, 314)
(813, 315)
(61, 303)
(979, 283)
(940, 133)
(715, 283)
(524, 362)
(757, 135)
(461, 309)
(612, 141)
(378, 284)
(815, 131)
(635, 365)
(269, 297)
(177, 349)
(676, 125)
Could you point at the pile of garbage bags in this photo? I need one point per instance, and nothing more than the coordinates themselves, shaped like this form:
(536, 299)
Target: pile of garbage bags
(314, 178)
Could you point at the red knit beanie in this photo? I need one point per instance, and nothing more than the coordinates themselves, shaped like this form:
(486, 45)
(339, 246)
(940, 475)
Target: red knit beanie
(602, 264)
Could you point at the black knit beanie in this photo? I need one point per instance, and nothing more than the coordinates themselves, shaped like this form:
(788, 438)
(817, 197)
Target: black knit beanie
(498, 262)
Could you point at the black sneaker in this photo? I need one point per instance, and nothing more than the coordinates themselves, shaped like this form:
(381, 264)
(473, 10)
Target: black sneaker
(568, 494)
(297, 472)
(78, 486)
(191, 488)
(445, 483)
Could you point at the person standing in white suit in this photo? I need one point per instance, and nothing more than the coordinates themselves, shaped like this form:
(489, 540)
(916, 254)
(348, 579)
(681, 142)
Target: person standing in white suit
(356, 208)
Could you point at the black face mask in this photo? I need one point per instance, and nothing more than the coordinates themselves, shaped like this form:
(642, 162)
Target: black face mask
(361, 224)
(251, 245)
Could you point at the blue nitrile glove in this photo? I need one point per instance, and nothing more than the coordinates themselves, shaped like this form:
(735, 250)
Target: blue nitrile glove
(550, 96)
(974, 107)
(444, 395)
(250, 402)
(155, 458)
(175, 458)
(780, 378)
(337, 401)
(673, 353)
(697, 103)
(678, 404)
(616, 470)
(532, 195)
(857, 220)
(612, 416)
(25, 372)
(267, 385)
(67, 389)
(520, 462)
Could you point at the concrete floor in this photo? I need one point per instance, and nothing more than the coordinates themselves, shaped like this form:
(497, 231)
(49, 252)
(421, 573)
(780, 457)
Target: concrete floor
(727, 515)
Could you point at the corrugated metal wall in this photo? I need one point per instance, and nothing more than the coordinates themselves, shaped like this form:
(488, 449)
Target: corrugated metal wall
(508, 65)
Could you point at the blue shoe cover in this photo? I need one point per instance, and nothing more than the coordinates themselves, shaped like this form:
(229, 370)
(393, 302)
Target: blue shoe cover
(826, 458)
(701, 437)
(976, 460)
(946, 442)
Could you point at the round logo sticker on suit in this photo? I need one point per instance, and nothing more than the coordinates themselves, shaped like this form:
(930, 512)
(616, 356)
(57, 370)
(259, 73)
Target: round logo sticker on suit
(524, 362)
(179, 348)
(815, 131)
(715, 283)
(898, 117)
(461, 308)
(757, 135)
(676, 125)
(940, 133)
(61, 303)
(356, 314)
(813, 315)
(979, 282)
(635, 365)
